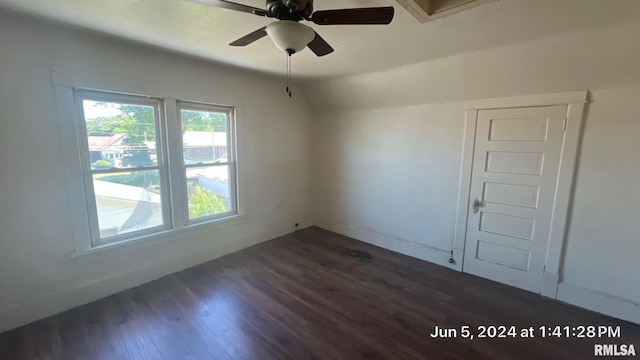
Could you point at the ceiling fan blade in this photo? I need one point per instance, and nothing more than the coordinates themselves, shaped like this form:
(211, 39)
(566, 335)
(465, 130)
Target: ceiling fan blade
(224, 4)
(370, 16)
(319, 46)
(249, 38)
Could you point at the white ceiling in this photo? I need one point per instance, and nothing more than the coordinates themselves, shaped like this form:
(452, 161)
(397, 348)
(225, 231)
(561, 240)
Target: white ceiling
(204, 31)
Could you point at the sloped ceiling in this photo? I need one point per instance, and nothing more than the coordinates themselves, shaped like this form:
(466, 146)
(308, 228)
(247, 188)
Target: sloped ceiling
(204, 31)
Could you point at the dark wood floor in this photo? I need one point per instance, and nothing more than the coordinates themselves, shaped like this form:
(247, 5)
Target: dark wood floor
(299, 297)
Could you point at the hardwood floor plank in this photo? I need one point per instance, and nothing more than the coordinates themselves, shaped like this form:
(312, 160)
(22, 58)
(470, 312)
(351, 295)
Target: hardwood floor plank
(13, 344)
(127, 333)
(300, 297)
(168, 341)
(100, 334)
(180, 314)
(74, 336)
(236, 336)
(351, 307)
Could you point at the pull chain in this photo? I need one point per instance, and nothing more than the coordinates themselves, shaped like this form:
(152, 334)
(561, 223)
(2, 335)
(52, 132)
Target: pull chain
(287, 89)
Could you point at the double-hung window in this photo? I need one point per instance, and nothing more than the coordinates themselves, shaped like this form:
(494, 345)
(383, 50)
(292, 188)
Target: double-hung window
(208, 159)
(147, 170)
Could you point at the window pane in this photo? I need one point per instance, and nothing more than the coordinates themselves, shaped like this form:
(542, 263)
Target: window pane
(208, 191)
(120, 135)
(204, 136)
(127, 201)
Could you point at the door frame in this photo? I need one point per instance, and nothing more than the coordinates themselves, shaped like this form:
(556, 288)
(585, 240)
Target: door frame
(575, 102)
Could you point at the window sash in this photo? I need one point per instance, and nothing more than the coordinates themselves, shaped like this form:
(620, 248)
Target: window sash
(113, 170)
(233, 209)
(199, 165)
(231, 160)
(126, 236)
(88, 173)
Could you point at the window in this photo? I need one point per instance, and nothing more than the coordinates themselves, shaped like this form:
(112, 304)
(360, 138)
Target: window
(206, 139)
(139, 178)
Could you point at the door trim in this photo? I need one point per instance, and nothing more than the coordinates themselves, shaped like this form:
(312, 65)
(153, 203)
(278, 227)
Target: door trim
(563, 199)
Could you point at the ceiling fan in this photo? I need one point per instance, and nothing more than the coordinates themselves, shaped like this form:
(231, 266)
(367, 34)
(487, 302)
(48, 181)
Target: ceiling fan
(291, 36)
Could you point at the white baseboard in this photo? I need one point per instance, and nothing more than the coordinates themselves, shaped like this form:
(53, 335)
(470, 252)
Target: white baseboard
(601, 302)
(549, 285)
(403, 246)
(59, 302)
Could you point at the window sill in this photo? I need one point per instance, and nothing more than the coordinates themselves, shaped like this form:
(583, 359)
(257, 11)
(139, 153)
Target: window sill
(159, 238)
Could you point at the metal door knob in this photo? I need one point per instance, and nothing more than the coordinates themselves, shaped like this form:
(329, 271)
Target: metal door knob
(476, 205)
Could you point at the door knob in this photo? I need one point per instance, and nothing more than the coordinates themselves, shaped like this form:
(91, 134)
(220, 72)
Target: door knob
(476, 205)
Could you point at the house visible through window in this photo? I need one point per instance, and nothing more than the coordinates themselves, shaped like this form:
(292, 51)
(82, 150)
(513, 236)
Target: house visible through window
(130, 180)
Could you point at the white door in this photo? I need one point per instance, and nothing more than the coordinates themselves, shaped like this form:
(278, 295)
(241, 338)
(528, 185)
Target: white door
(513, 185)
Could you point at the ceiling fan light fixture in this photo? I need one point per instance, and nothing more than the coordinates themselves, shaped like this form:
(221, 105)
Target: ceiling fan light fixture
(290, 36)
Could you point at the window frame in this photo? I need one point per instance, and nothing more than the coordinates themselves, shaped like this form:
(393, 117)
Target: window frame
(230, 163)
(170, 165)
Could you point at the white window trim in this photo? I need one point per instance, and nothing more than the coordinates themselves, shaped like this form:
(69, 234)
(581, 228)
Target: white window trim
(65, 80)
(231, 160)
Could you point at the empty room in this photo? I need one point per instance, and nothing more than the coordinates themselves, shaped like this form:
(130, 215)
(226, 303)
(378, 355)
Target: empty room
(299, 179)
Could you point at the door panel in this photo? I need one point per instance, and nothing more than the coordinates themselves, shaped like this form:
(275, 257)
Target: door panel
(518, 129)
(512, 226)
(512, 162)
(503, 256)
(511, 194)
(515, 168)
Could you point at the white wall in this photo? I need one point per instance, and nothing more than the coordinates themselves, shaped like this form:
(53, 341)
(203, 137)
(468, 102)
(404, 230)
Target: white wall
(389, 175)
(37, 275)
(387, 154)
(604, 238)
